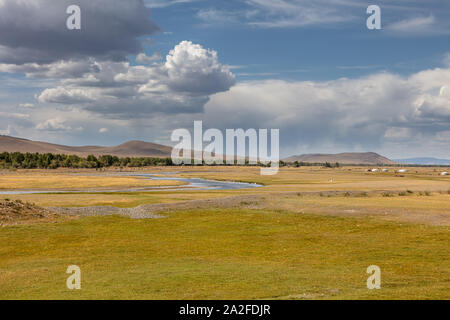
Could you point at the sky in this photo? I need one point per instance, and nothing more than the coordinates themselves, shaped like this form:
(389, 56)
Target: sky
(139, 69)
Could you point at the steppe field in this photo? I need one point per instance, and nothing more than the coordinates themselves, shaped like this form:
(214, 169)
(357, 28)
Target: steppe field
(307, 233)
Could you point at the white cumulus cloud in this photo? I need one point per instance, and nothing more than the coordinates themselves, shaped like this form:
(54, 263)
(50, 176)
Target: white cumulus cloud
(56, 124)
(182, 83)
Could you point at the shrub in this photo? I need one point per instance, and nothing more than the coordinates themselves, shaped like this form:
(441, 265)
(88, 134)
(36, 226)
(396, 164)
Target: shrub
(363, 194)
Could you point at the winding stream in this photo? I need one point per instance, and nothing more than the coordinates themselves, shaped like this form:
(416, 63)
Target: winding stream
(192, 184)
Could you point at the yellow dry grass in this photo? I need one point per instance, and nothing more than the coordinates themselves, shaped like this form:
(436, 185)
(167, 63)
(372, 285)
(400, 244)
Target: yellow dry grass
(319, 179)
(309, 233)
(225, 254)
(120, 200)
(74, 182)
(426, 199)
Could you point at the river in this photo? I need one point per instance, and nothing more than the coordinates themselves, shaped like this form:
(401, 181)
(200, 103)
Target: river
(192, 184)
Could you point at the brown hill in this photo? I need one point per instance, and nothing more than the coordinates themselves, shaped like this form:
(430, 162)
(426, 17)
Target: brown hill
(128, 149)
(18, 212)
(344, 158)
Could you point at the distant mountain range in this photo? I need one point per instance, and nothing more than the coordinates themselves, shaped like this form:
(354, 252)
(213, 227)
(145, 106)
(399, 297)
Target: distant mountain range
(148, 149)
(343, 158)
(425, 161)
(128, 149)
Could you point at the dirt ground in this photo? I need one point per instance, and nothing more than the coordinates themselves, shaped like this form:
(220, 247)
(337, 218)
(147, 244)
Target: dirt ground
(18, 212)
(302, 203)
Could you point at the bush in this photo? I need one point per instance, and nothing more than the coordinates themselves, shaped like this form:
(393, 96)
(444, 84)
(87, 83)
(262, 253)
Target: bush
(17, 160)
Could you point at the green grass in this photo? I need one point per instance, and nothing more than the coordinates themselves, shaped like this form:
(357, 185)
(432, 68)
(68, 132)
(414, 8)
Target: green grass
(225, 254)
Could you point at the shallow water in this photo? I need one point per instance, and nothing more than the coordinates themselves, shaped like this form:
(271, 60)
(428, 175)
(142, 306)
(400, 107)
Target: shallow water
(192, 184)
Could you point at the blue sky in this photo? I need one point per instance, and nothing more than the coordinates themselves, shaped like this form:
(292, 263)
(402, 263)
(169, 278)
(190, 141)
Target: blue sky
(139, 69)
(315, 51)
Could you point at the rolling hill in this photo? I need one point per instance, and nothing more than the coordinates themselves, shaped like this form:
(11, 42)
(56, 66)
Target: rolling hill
(343, 158)
(128, 149)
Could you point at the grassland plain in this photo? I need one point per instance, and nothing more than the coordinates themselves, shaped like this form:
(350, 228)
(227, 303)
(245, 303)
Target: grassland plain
(309, 233)
(31, 180)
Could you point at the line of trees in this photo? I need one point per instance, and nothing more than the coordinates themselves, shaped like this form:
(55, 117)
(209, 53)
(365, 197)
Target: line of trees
(18, 160)
(298, 164)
